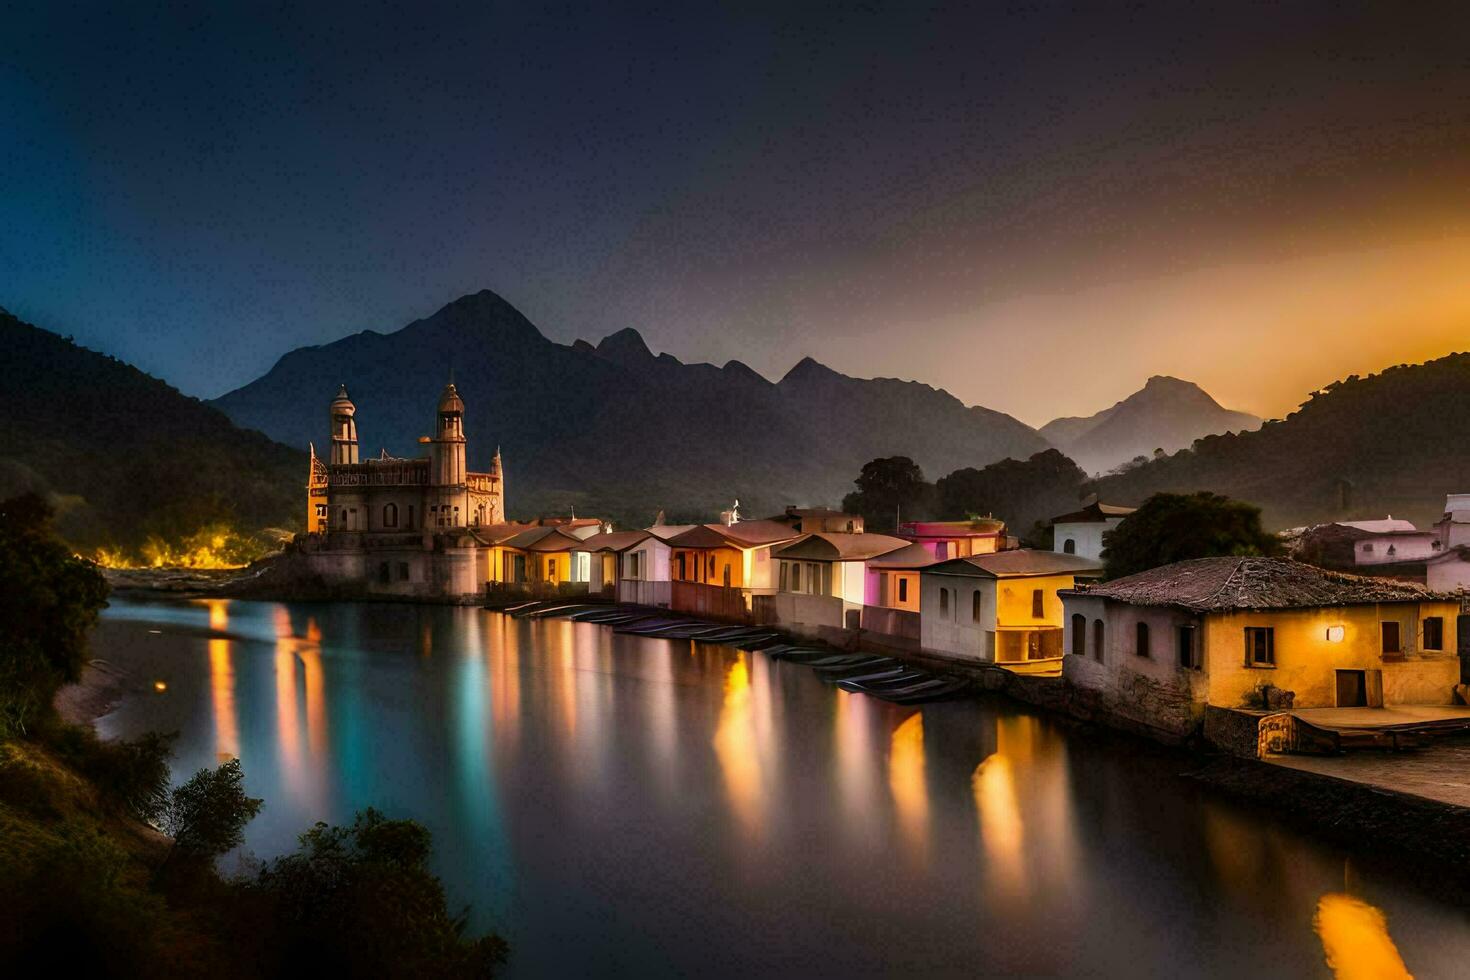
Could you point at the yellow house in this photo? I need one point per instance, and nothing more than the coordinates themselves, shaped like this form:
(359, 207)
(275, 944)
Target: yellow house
(1261, 633)
(1000, 608)
(543, 558)
(716, 569)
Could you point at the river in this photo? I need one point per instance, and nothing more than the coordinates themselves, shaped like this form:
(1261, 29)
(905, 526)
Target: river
(613, 804)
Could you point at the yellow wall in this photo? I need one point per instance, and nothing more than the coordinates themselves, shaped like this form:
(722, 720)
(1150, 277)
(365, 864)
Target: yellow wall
(1306, 660)
(696, 563)
(910, 601)
(1013, 600)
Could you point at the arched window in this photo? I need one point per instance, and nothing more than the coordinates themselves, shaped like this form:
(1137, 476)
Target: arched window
(1141, 634)
(975, 606)
(390, 515)
(944, 602)
(1079, 634)
(344, 518)
(1097, 639)
(1069, 547)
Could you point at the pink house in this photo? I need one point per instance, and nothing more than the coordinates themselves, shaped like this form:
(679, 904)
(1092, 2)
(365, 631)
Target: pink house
(957, 539)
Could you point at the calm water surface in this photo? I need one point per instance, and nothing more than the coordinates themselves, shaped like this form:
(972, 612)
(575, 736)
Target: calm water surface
(614, 804)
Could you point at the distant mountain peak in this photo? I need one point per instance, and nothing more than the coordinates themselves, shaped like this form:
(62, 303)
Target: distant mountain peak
(625, 346)
(808, 369)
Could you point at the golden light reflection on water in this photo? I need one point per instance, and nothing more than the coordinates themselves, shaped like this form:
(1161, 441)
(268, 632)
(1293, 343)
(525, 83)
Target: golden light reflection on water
(906, 781)
(857, 782)
(222, 697)
(300, 763)
(735, 745)
(505, 690)
(1002, 831)
(1355, 940)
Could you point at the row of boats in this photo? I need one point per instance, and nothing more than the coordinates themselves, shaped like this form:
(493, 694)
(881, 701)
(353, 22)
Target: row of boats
(880, 676)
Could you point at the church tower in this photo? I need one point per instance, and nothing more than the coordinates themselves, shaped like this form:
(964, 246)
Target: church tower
(344, 428)
(449, 502)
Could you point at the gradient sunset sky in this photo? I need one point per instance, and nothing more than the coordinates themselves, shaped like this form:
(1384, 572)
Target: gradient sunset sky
(1031, 207)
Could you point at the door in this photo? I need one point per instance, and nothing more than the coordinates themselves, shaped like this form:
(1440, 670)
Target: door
(1352, 689)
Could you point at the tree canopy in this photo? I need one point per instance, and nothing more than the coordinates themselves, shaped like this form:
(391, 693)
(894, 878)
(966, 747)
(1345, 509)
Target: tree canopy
(890, 490)
(1023, 493)
(49, 600)
(1172, 527)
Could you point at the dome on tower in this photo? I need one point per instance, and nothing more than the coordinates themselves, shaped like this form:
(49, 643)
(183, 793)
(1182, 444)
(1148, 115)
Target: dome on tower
(450, 400)
(342, 401)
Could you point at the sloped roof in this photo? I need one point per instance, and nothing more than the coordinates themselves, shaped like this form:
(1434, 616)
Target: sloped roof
(1387, 525)
(1010, 564)
(911, 556)
(1222, 584)
(1094, 512)
(742, 534)
(544, 539)
(613, 540)
(666, 531)
(836, 546)
(497, 533)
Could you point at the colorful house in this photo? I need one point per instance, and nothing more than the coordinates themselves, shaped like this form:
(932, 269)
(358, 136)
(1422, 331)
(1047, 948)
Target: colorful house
(957, 539)
(1159, 647)
(544, 559)
(644, 568)
(1081, 532)
(1000, 608)
(604, 551)
(891, 611)
(716, 569)
(822, 579)
(812, 520)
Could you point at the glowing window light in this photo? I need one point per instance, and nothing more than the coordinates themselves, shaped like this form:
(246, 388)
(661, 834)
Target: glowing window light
(1335, 634)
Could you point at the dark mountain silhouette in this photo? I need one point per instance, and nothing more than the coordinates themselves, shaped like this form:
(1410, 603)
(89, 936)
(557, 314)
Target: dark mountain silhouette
(124, 455)
(615, 430)
(1393, 442)
(1166, 414)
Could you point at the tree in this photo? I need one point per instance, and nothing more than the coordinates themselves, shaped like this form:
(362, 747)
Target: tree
(1023, 493)
(360, 901)
(1172, 527)
(206, 816)
(889, 489)
(49, 601)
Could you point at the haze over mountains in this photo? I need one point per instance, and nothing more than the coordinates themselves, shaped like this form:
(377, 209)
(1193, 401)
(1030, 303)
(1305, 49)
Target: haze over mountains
(1167, 414)
(614, 430)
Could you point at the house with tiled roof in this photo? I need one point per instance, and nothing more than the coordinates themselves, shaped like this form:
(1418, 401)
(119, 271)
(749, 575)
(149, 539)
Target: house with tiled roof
(717, 569)
(822, 579)
(1081, 531)
(1159, 647)
(1000, 608)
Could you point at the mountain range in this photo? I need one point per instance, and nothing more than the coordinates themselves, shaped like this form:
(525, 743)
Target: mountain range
(1166, 414)
(614, 430)
(124, 456)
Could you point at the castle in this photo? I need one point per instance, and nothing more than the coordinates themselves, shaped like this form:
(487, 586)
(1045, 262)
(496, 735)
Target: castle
(401, 526)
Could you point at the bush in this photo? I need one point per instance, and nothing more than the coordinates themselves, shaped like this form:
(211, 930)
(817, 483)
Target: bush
(132, 775)
(206, 816)
(360, 900)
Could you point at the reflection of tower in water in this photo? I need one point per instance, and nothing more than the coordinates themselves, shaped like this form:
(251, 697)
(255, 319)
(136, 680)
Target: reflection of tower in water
(222, 683)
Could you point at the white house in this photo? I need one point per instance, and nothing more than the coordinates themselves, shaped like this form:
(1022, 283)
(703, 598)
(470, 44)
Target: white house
(822, 578)
(643, 566)
(1081, 532)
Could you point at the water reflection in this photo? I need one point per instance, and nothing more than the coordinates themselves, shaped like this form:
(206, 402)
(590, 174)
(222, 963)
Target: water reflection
(682, 808)
(906, 782)
(1355, 940)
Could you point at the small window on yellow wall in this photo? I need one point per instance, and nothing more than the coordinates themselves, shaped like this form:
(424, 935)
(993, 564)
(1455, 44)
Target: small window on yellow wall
(1038, 603)
(903, 590)
(1434, 633)
(1260, 646)
(1391, 640)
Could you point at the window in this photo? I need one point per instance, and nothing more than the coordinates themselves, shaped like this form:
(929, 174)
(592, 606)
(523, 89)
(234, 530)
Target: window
(944, 602)
(403, 571)
(1187, 656)
(344, 517)
(1140, 631)
(551, 570)
(941, 550)
(1434, 633)
(1079, 634)
(390, 515)
(1391, 641)
(795, 577)
(1260, 646)
(383, 573)
(1097, 639)
(975, 606)
(1069, 547)
(1392, 551)
(1038, 604)
(903, 590)
(1368, 547)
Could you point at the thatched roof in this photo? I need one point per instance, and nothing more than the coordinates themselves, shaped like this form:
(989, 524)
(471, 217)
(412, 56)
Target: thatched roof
(1224, 584)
